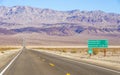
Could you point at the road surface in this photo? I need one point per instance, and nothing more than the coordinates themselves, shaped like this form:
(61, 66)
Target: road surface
(31, 62)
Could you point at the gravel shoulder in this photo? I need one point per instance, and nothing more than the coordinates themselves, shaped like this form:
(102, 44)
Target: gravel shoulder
(7, 56)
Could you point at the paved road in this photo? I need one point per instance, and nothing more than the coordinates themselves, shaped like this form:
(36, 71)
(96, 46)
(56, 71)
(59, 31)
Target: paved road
(31, 62)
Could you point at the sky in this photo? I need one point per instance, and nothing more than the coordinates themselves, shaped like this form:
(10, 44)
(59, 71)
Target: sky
(65, 5)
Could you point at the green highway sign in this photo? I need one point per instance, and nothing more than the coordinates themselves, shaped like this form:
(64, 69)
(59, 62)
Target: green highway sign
(97, 43)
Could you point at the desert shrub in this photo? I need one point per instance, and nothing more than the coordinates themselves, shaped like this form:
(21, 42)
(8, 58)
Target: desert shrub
(74, 51)
(2, 52)
(64, 51)
(95, 51)
(7, 48)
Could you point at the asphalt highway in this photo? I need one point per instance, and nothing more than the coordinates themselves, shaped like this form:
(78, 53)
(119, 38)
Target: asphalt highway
(31, 62)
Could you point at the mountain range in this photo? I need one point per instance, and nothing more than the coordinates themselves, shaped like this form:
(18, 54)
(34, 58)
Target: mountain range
(19, 20)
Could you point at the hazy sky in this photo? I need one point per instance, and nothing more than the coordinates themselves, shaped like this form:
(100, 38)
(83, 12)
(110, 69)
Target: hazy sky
(104, 5)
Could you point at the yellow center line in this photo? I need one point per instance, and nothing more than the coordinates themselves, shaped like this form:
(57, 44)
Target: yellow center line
(51, 64)
(67, 73)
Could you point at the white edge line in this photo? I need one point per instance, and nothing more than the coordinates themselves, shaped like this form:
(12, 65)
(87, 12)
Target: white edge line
(95, 66)
(3, 71)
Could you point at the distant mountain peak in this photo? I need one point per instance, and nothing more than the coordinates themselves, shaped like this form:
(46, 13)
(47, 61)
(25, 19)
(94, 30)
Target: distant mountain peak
(64, 22)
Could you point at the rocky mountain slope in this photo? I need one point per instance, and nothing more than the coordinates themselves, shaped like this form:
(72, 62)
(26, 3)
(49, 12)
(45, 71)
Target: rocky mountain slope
(19, 19)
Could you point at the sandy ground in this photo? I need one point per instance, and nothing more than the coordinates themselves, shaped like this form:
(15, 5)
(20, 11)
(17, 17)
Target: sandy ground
(41, 39)
(112, 62)
(7, 56)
